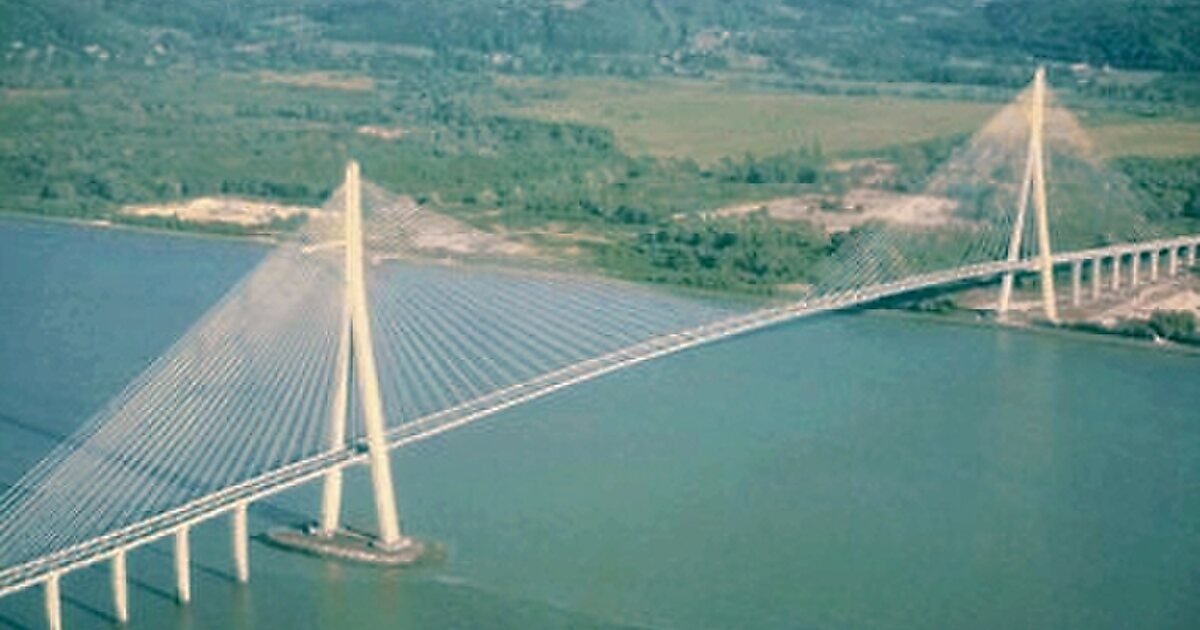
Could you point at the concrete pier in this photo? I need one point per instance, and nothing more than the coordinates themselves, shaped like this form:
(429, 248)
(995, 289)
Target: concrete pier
(1191, 254)
(120, 586)
(53, 603)
(1077, 283)
(183, 576)
(241, 543)
(1135, 268)
(1154, 256)
(1116, 272)
(1097, 276)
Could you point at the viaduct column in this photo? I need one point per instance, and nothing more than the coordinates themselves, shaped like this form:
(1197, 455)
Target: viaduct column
(1135, 263)
(1173, 261)
(1077, 283)
(1154, 256)
(183, 576)
(53, 603)
(1116, 272)
(120, 586)
(241, 543)
(1097, 276)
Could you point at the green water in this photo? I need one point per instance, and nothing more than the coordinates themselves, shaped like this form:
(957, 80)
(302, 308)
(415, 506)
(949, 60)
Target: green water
(846, 472)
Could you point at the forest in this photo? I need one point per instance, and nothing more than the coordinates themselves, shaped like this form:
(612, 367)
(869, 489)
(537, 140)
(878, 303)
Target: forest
(116, 102)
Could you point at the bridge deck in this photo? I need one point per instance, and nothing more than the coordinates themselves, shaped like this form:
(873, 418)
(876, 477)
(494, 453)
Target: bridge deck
(95, 550)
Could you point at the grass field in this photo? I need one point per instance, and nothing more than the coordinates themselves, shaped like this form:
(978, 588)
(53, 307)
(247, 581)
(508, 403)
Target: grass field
(706, 121)
(1165, 139)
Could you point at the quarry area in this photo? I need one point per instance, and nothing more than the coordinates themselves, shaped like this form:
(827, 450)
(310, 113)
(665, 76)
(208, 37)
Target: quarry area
(228, 210)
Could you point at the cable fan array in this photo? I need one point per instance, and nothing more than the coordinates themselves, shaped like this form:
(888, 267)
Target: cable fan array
(249, 388)
(1089, 205)
(462, 317)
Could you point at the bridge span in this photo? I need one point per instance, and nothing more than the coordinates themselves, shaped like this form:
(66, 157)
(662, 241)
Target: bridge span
(344, 327)
(233, 500)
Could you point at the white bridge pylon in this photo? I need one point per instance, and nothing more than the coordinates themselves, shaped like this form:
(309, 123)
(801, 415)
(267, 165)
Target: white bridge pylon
(216, 424)
(356, 344)
(1034, 182)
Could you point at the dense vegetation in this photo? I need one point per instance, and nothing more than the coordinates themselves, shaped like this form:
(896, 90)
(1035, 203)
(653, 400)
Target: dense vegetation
(114, 102)
(1176, 326)
(943, 41)
(1172, 184)
(750, 253)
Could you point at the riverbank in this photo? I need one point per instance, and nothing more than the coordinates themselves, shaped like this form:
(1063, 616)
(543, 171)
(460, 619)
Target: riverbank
(976, 319)
(901, 448)
(957, 315)
(107, 224)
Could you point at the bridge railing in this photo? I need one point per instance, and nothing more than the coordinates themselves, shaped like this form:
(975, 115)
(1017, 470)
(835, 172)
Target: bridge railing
(161, 525)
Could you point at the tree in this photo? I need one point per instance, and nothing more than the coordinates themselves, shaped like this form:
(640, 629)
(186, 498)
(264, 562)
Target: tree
(1174, 325)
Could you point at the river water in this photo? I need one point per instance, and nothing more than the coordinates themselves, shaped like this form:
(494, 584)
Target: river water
(847, 471)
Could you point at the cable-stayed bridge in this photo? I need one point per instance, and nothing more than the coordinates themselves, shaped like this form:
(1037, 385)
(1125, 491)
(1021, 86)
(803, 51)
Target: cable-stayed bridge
(384, 324)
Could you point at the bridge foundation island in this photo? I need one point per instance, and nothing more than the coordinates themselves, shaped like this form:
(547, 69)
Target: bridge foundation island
(356, 362)
(354, 381)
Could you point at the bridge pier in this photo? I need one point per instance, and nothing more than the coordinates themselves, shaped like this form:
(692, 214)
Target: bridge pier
(1173, 261)
(1097, 276)
(1191, 254)
(1154, 256)
(241, 544)
(1076, 283)
(1135, 264)
(53, 603)
(183, 577)
(120, 586)
(1116, 272)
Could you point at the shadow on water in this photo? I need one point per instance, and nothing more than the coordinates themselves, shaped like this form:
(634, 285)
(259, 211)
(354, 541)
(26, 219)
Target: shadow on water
(29, 427)
(9, 622)
(147, 587)
(88, 608)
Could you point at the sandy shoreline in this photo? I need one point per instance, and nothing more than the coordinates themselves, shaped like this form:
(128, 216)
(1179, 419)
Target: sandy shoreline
(106, 224)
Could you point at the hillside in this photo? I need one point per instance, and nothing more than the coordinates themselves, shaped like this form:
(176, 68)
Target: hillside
(604, 130)
(944, 40)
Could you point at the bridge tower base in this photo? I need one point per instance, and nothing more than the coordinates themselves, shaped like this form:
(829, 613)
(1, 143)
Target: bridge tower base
(355, 370)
